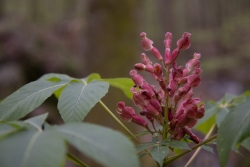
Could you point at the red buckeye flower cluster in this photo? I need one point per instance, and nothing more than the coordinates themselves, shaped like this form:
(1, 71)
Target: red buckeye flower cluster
(172, 102)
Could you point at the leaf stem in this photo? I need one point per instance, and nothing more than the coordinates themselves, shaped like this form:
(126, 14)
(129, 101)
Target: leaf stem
(76, 160)
(199, 149)
(119, 122)
(171, 159)
(122, 125)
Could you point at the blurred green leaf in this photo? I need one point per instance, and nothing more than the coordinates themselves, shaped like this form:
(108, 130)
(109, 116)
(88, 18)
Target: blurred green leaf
(233, 130)
(176, 144)
(106, 146)
(31, 148)
(37, 121)
(78, 98)
(125, 84)
(93, 76)
(27, 98)
(159, 153)
(246, 144)
(208, 148)
(142, 133)
(54, 77)
(143, 146)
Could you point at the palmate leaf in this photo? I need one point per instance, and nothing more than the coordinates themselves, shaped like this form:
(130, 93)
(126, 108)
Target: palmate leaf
(27, 98)
(32, 148)
(108, 147)
(234, 129)
(78, 98)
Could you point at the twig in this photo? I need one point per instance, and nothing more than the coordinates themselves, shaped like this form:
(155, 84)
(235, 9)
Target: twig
(199, 149)
(171, 159)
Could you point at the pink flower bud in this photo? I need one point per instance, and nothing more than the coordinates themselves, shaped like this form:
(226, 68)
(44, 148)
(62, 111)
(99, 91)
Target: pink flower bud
(126, 112)
(192, 64)
(167, 56)
(193, 137)
(191, 123)
(197, 71)
(180, 134)
(140, 66)
(139, 99)
(146, 43)
(194, 80)
(168, 39)
(170, 115)
(184, 42)
(185, 72)
(172, 86)
(156, 104)
(158, 70)
(156, 53)
(150, 92)
(137, 78)
(200, 112)
(188, 95)
(139, 121)
(183, 81)
(145, 59)
(151, 109)
(173, 57)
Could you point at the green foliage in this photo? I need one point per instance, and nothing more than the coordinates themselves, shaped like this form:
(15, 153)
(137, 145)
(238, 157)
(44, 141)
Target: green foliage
(77, 99)
(106, 146)
(27, 98)
(123, 84)
(159, 153)
(234, 129)
(47, 147)
(34, 147)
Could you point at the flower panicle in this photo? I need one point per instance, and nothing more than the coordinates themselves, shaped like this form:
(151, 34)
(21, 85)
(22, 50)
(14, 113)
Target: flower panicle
(174, 91)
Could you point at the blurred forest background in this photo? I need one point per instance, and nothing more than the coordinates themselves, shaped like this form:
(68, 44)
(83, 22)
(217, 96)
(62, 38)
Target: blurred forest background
(79, 37)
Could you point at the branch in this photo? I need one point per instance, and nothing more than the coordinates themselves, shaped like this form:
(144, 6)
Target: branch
(171, 159)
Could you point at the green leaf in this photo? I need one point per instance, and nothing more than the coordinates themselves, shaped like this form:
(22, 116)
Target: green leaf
(31, 148)
(106, 146)
(233, 130)
(27, 98)
(143, 146)
(176, 144)
(93, 76)
(142, 133)
(125, 84)
(37, 121)
(159, 153)
(222, 112)
(246, 144)
(54, 77)
(207, 148)
(78, 98)
(7, 130)
(226, 99)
